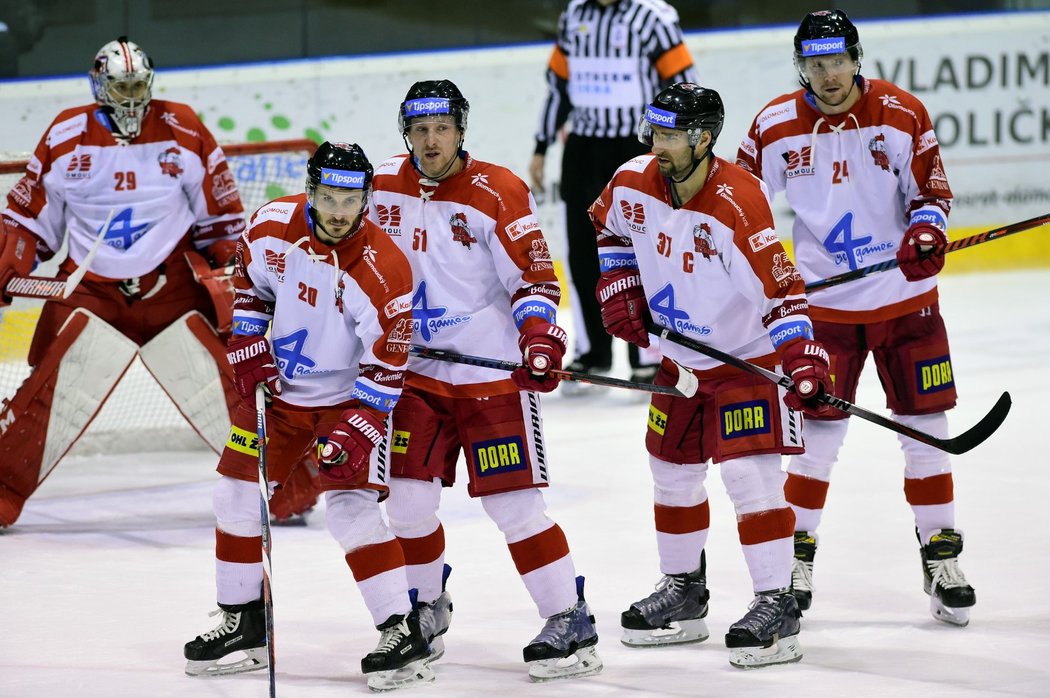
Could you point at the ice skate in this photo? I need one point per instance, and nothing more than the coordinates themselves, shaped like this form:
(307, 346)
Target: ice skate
(565, 648)
(240, 639)
(802, 569)
(950, 595)
(672, 615)
(435, 617)
(768, 633)
(400, 658)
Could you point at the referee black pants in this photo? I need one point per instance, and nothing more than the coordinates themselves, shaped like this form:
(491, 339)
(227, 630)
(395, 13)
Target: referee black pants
(587, 165)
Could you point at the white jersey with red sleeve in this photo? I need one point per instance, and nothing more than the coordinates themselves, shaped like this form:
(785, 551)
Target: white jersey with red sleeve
(713, 270)
(481, 266)
(168, 182)
(855, 181)
(339, 316)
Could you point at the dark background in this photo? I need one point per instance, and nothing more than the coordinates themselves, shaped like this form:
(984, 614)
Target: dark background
(60, 37)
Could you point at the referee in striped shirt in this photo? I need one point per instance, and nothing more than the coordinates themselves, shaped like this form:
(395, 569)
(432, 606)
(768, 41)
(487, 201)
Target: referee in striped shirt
(610, 59)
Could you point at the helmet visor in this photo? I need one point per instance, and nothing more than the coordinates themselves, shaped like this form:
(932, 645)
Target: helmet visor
(819, 67)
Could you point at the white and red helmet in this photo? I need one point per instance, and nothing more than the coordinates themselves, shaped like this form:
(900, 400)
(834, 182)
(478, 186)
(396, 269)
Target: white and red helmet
(121, 81)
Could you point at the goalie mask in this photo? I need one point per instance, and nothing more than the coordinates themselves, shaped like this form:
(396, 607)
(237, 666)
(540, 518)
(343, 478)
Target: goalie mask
(121, 81)
(335, 175)
(826, 40)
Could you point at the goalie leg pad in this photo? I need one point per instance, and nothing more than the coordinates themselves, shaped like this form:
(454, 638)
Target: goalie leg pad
(188, 360)
(56, 404)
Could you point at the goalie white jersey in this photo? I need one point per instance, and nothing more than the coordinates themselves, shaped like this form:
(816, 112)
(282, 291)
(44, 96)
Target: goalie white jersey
(855, 181)
(339, 316)
(170, 181)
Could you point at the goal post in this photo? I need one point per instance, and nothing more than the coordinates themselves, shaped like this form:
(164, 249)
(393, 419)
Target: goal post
(139, 416)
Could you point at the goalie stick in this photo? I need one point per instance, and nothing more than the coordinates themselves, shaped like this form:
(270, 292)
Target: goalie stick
(961, 243)
(264, 515)
(956, 446)
(685, 387)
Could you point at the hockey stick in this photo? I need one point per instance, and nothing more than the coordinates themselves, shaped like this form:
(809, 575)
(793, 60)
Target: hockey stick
(73, 279)
(952, 246)
(264, 515)
(956, 446)
(686, 386)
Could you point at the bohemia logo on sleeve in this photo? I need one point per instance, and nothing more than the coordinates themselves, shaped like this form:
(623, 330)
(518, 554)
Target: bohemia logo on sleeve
(79, 166)
(171, 162)
(275, 264)
(389, 219)
(799, 163)
(877, 146)
(703, 242)
(460, 230)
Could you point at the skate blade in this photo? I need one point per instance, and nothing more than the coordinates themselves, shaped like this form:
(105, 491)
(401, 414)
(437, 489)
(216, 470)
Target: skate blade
(412, 673)
(253, 660)
(952, 616)
(784, 651)
(437, 649)
(679, 632)
(585, 662)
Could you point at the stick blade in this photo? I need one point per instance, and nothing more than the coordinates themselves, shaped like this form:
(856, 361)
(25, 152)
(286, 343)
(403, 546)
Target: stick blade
(979, 433)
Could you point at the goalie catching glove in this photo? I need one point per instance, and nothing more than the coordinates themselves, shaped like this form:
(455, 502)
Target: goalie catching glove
(808, 365)
(624, 311)
(252, 363)
(542, 350)
(350, 445)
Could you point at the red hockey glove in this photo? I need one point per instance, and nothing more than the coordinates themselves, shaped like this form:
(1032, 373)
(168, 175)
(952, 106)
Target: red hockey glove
(350, 444)
(808, 365)
(922, 251)
(252, 364)
(17, 256)
(542, 350)
(624, 311)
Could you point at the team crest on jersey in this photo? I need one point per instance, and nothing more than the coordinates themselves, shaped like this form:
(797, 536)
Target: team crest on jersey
(274, 262)
(877, 147)
(783, 269)
(339, 288)
(171, 162)
(400, 337)
(540, 256)
(22, 192)
(703, 242)
(460, 229)
(389, 219)
(938, 181)
(799, 162)
(634, 215)
(224, 188)
(79, 166)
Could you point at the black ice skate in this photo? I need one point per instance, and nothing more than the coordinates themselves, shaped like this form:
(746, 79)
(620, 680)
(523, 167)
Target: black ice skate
(673, 614)
(802, 568)
(565, 648)
(400, 658)
(240, 638)
(435, 617)
(950, 595)
(768, 633)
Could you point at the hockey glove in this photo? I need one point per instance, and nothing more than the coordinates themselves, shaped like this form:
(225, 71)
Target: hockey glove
(624, 311)
(17, 256)
(542, 350)
(252, 364)
(922, 251)
(350, 444)
(808, 365)
(222, 253)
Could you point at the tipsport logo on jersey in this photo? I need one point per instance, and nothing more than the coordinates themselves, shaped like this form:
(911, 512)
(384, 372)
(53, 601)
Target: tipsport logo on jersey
(428, 320)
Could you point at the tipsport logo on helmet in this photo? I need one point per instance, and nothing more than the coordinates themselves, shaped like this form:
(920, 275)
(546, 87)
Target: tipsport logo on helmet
(342, 178)
(823, 47)
(660, 117)
(426, 105)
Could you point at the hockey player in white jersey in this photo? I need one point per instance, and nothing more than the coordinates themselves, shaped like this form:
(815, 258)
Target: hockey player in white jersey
(143, 182)
(335, 294)
(484, 284)
(686, 239)
(859, 163)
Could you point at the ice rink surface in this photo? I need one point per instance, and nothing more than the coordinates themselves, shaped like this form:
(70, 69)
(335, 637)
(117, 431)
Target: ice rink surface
(110, 569)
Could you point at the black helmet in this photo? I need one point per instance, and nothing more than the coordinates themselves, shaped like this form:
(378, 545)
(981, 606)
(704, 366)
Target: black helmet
(433, 97)
(827, 32)
(684, 106)
(339, 165)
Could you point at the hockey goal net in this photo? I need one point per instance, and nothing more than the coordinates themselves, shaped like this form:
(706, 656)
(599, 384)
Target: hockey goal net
(139, 416)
